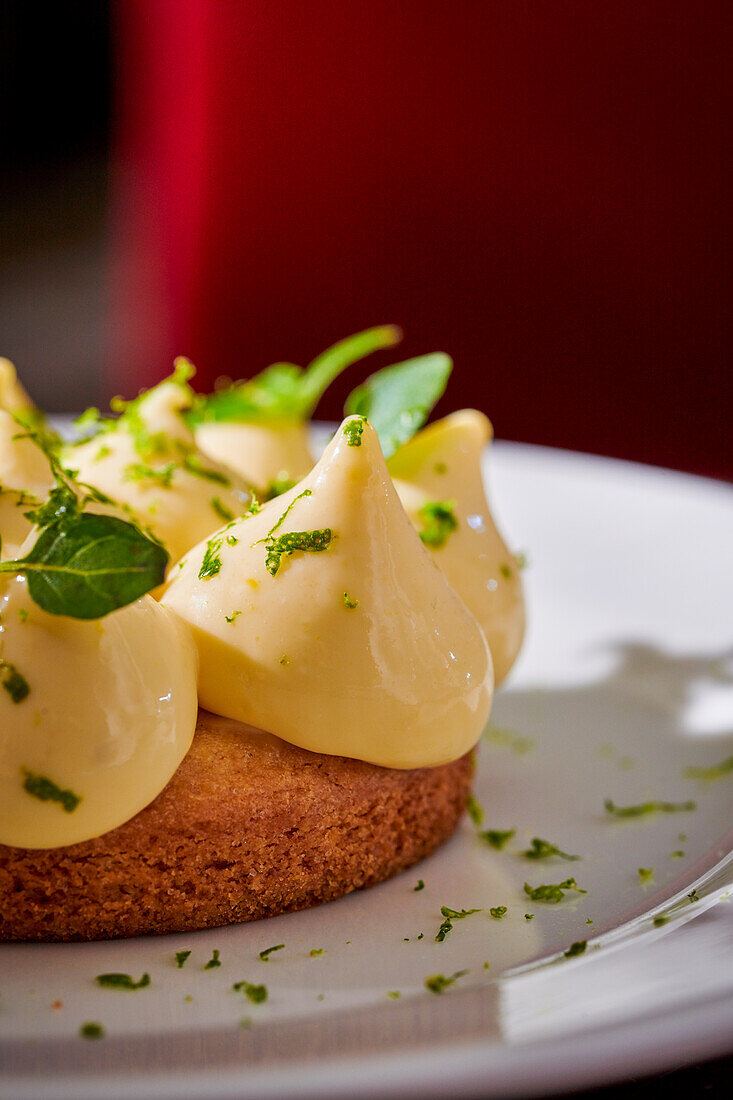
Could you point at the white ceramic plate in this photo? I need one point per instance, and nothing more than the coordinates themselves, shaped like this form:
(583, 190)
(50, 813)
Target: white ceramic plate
(626, 680)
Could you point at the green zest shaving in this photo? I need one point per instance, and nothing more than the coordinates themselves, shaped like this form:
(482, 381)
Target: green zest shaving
(451, 915)
(353, 430)
(551, 892)
(577, 948)
(716, 771)
(644, 808)
(91, 1030)
(497, 838)
(398, 399)
(438, 983)
(211, 563)
(264, 955)
(224, 513)
(14, 683)
(159, 475)
(438, 519)
(474, 809)
(122, 981)
(44, 789)
(255, 993)
(311, 542)
(542, 849)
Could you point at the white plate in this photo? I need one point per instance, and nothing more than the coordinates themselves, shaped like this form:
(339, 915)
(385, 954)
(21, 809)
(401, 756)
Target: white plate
(626, 679)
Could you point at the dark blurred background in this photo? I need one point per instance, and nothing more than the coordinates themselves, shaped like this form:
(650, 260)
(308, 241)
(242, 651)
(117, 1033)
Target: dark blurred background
(538, 188)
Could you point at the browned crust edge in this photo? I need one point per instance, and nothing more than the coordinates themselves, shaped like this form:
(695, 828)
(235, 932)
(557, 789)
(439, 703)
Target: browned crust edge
(248, 827)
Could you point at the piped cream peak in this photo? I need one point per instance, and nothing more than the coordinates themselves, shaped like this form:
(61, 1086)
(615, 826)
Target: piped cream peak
(323, 619)
(438, 478)
(148, 461)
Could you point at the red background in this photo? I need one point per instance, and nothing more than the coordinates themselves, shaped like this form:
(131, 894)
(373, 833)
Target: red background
(536, 188)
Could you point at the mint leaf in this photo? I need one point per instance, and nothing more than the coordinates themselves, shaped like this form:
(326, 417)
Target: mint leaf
(87, 565)
(398, 400)
(289, 391)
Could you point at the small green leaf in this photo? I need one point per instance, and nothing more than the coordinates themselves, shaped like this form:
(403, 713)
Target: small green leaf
(181, 957)
(398, 399)
(88, 565)
(214, 961)
(286, 391)
(498, 912)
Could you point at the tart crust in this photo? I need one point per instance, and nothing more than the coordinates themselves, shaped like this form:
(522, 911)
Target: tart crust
(248, 827)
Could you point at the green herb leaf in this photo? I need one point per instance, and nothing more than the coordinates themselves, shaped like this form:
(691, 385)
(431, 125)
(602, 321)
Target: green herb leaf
(497, 838)
(498, 911)
(398, 399)
(14, 683)
(88, 565)
(552, 892)
(716, 771)
(645, 873)
(122, 981)
(349, 603)
(542, 849)
(44, 789)
(264, 955)
(439, 521)
(438, 983)
(255, 993)
(644, 808)
(315, 951)
(285, 390)
(420, 886)
(181, 957)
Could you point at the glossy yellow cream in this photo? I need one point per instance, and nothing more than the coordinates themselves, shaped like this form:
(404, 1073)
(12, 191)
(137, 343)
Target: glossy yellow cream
(109, 715)
(402, 679)
(261, 452)
(180, 507)
(443, 463)
(25, 479)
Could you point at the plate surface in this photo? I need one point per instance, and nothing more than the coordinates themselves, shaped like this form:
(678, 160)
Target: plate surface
(626, 681)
